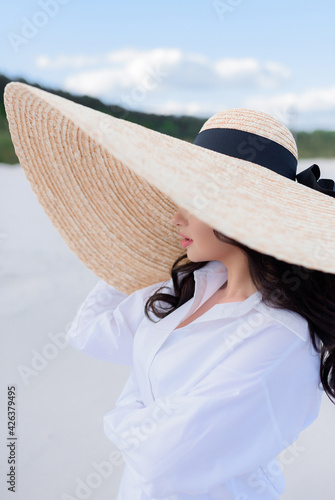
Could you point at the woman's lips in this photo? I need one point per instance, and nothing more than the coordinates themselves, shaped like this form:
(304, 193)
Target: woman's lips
(186, 242)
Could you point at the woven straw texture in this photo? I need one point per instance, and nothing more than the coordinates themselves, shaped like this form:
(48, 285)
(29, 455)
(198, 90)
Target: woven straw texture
(111, 187)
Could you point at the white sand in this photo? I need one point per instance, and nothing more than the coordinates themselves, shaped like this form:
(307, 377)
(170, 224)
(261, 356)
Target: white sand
(62, 399)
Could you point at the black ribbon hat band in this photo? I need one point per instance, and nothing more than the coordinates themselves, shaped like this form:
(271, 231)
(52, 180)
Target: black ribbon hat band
(265, 152)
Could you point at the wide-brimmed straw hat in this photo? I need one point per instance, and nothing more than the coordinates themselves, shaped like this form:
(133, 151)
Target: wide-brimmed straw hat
(111, 187)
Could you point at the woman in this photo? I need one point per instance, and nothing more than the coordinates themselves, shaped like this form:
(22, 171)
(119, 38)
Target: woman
(229, 356)
(228, 381)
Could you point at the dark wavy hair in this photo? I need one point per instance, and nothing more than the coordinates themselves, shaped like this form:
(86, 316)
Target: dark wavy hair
(310, 293)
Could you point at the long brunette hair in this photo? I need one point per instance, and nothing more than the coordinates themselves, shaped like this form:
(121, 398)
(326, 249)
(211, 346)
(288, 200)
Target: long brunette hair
(310, 293)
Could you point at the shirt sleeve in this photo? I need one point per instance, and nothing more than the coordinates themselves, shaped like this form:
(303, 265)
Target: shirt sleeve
(244, 412)
(106, 322)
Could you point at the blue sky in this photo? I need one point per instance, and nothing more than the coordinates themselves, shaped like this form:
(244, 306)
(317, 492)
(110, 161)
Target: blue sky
(180, 57)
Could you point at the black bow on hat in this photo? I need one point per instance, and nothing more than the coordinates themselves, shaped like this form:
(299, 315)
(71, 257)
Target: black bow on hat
(310, 178)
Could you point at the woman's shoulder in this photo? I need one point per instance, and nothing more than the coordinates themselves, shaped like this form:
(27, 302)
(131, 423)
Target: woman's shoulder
(290, 320)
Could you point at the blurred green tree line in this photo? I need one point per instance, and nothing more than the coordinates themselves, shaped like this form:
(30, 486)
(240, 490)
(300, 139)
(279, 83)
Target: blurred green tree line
(316, 144)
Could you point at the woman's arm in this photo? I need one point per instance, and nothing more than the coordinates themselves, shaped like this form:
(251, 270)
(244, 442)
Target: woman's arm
(105, 325)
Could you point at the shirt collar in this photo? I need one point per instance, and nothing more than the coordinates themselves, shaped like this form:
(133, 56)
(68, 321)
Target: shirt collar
(214, 274)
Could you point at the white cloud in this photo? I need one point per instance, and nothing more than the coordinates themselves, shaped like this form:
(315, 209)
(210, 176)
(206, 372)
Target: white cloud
(160, 70)
(170, 81)
(251, 70)
(124, 71)
(191, 108)
(316, 103)
(316, 99)
(65, 61)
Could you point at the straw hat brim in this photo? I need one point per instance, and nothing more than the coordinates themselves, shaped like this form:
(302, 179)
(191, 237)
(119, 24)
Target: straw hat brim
(111, 187)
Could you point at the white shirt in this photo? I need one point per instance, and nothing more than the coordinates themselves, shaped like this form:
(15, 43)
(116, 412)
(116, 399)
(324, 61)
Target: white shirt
(208, 407)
